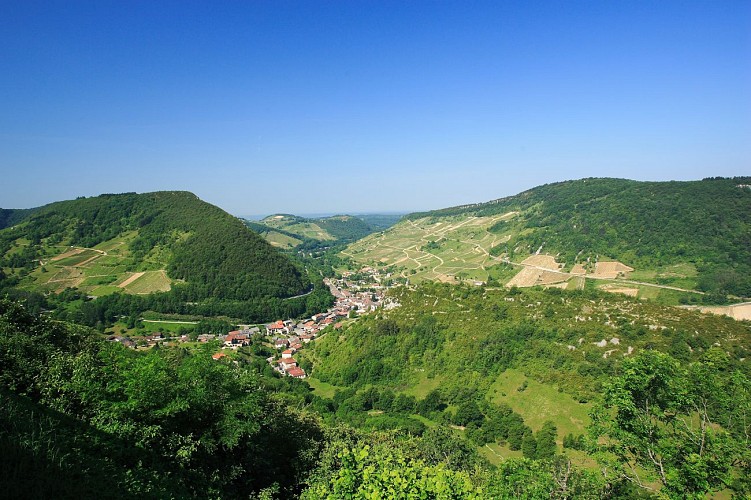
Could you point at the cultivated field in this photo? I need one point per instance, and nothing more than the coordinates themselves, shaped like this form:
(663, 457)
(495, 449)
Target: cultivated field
(736, 311)
(457, 248)
(101, 270)
(451, 249)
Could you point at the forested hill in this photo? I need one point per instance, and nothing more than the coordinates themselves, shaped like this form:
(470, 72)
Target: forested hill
(209, 252)
(11, 216)
(705, 222)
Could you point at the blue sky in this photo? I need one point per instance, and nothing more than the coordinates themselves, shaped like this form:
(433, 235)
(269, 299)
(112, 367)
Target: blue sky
(323, 106)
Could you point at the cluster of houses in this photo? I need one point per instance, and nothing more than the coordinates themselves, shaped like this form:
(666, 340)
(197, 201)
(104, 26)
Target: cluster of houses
(359, 293)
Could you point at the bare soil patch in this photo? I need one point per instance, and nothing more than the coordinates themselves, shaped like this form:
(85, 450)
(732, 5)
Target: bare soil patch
(611, 270)
(69, 253)
(544, 261)
(578, 269)
(631, 292)
(130, 280)
(530, 276)
(737, 311)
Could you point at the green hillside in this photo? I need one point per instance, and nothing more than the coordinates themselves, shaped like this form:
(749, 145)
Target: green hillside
(290, 231)
(124, 248)
(11, 216)
(465, 337)
(693, 235)
(210, 252)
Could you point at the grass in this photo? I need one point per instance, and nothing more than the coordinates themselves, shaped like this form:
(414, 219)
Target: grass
(281, 240)
(496, 453)
(75, 260)
(166, 326)
(459, 248)
(423, 385)
(323, 389)
(539, 403)
(104, 290)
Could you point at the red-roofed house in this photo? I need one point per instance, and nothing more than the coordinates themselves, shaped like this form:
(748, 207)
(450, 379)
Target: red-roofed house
(296, 372)
(277, 328)
(236, 339)
(287, 363)
(288, 353)
(219, 356)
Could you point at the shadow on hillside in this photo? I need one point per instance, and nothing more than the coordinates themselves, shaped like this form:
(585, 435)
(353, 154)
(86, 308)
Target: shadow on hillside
(46, 454)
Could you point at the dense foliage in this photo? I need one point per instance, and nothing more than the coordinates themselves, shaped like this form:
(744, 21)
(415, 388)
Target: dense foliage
(164, 423)
(688, 426)
(643, 224)
(11, 216)
(553, 336)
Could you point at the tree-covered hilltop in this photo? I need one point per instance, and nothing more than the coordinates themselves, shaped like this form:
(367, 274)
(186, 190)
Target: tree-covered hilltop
(199, 245)
(643, 224)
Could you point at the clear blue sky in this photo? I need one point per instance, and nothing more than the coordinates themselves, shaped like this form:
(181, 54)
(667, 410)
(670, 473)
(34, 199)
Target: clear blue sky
(354, 106)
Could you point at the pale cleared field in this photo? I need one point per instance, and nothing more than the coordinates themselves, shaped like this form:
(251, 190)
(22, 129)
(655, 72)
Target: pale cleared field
(280, 240)
(454, 248)
(631, 292)
(544, 261)
(578, 269)
(148, 282)
(611, 269)
(738, 312)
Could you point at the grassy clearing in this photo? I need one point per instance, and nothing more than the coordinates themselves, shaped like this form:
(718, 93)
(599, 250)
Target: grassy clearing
(75, 260)
(166, 326)
(423, 385)
(539, 403)
(323, 389)
(426, 421)
(104, 290)
(496, 453)
(280, 240)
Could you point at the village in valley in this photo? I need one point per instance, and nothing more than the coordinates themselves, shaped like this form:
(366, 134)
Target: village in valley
(354, 293)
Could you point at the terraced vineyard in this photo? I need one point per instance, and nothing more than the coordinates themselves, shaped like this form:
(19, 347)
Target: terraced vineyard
(103, 269)
(449, 249)
(620, 236)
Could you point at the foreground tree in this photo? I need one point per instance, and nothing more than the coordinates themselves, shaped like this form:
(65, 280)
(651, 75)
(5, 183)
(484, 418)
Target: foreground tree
(662, 418)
